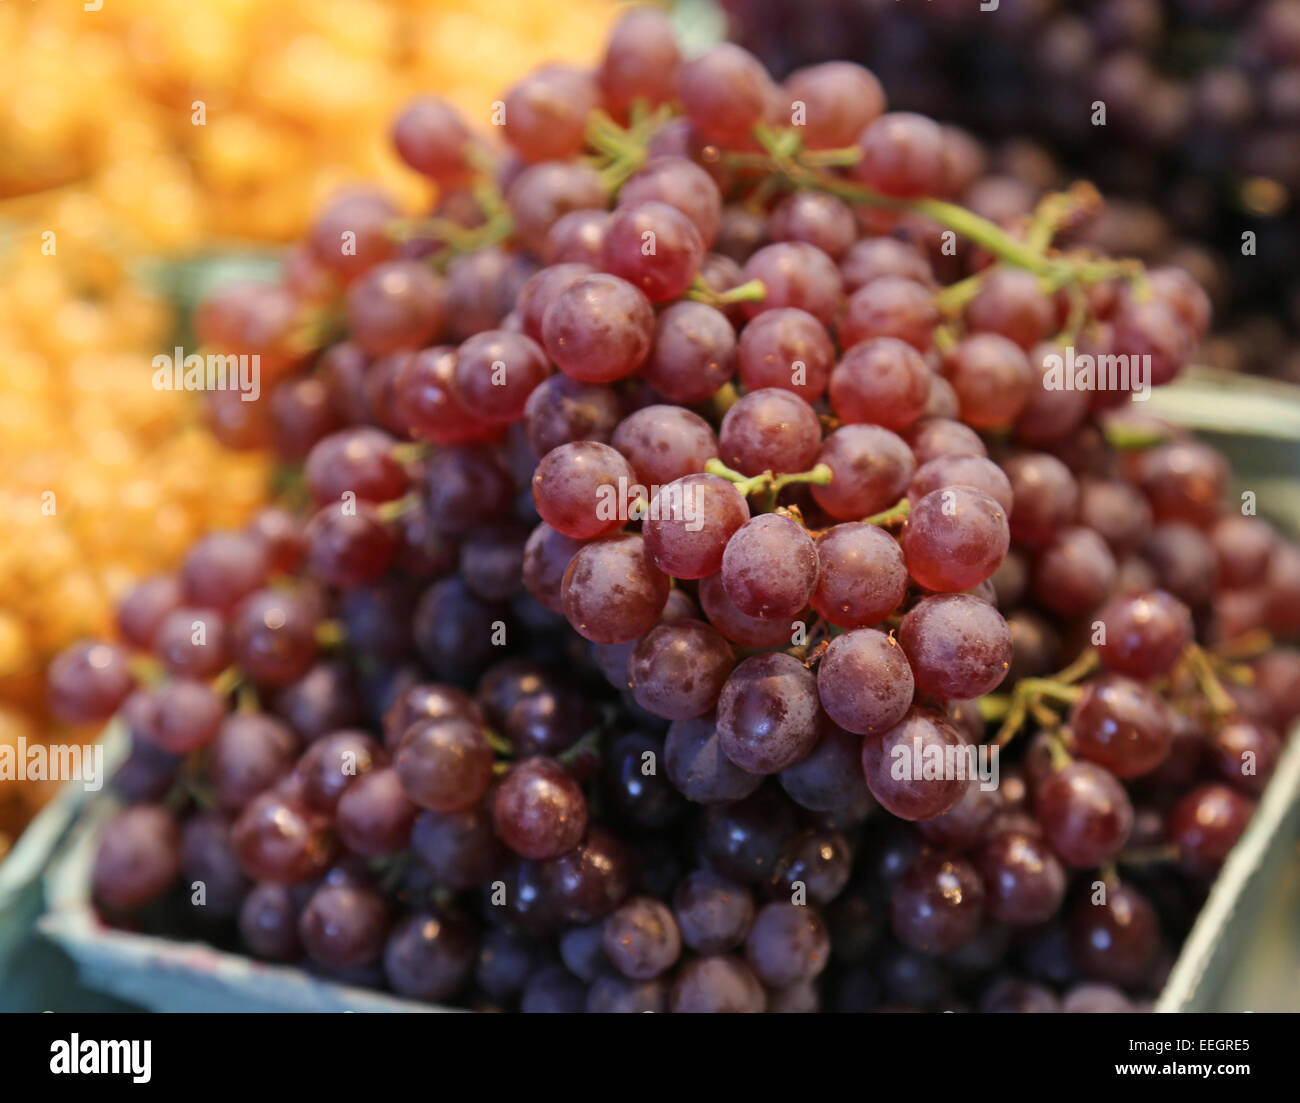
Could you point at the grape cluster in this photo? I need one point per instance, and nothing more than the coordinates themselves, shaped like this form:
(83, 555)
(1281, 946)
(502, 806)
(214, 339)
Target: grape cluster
(1201, 132)
(675, 531)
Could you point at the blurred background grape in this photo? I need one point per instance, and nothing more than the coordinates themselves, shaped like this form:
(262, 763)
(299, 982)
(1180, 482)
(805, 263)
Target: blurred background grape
(103, 150)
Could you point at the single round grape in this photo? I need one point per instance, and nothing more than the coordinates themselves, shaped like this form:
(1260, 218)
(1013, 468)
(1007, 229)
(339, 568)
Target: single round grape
(962, 471)
(818, 864)
(350, 235)
(344, 925)
(818, 218)
(398, 304)
(546, 112)
(187, 716)
(880, 381)
(653, 246)
(303, 412)
(689, 524)
(862, 578)
(767, 713)
(1095, 999)
(481, 289)
(581, 489)
(356, 461)
(1182, 559)
(1144, 633)
(1153, 329)
(1184, 481)
(348, 544)
(694, 353)
(137, 858)
(268, 923)
(955, 538)
(612, 591)
(223, 568)
(864, 681)
(839, 99)
(770, 430)
(547, 555)
(282, 841)
(1074, 573)
(1116, 940)
(453, 630)
(664, 443)
(677, 670)
(870, 470)
(770, 567)
(193, 643)
(145, 606)
(787, 944)
(795, 274)
(273, 636)
(444, 764)
(431, 137)
(992, 378)
(895, 765)
(1277, 674)
(613, 994)
(88, 681)
(1244, 754)
(1117, 510)
(588, 882)
(746, 840)
(713, 913)
(538, 810)
(890, 307)
(724, 93)
(561, 410)
(717, 984)
(491, 562)
(641, 939)
(789, 349)
(496, 372)
(374, 818)
(577, 237)
(696, 765)
(1205, 825)
(1243, 548)
(250, 753)
(932, 437)
(1011, 303)
(1024, 883)
(429, 956)
(829, 778)
(1085, 813)
(937, 905)
(1046, 497)
(902, 155)
(459, 848)
(599, 328)
(640, 62)
(957, 645)
(553, 991)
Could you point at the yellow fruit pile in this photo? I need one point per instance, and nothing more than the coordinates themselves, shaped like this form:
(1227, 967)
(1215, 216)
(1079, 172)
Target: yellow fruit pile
(152, 128)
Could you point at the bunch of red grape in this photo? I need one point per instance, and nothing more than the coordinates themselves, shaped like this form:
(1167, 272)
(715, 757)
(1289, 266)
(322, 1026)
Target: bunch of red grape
(1201, 125)
(674, 519)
